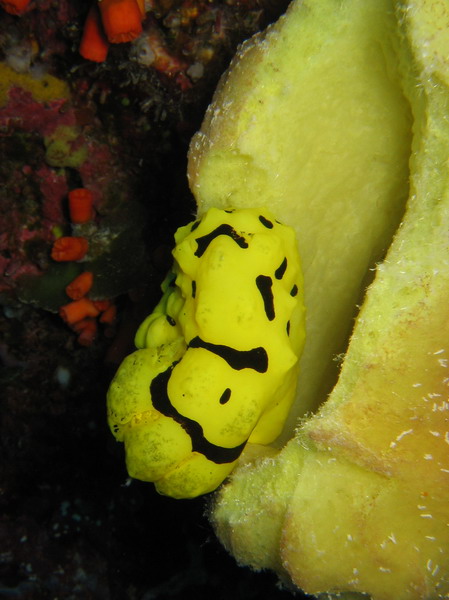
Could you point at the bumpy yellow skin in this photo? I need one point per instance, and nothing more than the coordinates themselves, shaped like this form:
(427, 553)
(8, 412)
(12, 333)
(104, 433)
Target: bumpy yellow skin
(218, 357)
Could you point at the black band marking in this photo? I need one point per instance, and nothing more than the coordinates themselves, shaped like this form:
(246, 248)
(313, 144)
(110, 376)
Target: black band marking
(162, 403)
(225, 396)
(280, 271)
(265, 222)
(294, 290)
(195, 225)
(256, 358)
(224, 229)
(288, 327)
(264, 284)
(171, 320)
(193, 289)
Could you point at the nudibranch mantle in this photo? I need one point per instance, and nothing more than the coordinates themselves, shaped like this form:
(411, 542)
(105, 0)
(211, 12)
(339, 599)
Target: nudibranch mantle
(217, 359)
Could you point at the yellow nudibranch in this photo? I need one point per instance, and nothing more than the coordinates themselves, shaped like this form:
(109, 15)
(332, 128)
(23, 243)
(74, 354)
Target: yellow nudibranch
(217, 359)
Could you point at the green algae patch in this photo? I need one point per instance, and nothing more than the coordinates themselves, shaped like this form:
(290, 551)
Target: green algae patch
(47, 291)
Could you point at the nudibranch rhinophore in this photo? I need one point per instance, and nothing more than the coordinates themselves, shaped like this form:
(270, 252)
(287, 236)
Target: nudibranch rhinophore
(217, 359)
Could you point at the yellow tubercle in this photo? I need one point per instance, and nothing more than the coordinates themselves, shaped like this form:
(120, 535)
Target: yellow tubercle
(218, 359)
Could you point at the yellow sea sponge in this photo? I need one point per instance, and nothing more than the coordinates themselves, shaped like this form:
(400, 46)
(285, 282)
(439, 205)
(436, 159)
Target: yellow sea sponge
(356, 504)
(43, 89)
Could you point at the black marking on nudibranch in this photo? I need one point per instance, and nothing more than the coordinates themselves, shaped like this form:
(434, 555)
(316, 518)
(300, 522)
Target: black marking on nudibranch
(193, 289)
(225, 396)
(264, 285)
(294, 290)
(194, 225)
(288, 327)
(280, 271)
(265, 222)
(162, 403)
(223, 229)
(256, 358)
(171, 320)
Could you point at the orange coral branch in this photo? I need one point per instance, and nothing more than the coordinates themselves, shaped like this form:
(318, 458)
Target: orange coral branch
(87, 330)
(122, 20)
(80, 286)
(109, 315)
(94, 44)
(102, 305)
(88, 334)
(14, 7)
(69, 248)
(80, 205)
(141, 5)
(78, 310)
